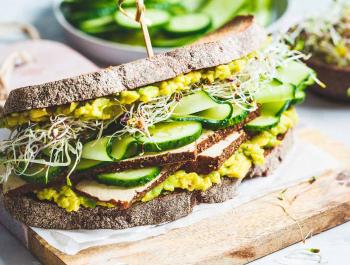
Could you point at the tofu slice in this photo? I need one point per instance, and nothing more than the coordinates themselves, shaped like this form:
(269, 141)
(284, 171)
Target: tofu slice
(122, 197)
(212, 158)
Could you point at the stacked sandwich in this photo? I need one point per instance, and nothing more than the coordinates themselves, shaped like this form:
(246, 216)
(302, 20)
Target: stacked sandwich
(144, 142)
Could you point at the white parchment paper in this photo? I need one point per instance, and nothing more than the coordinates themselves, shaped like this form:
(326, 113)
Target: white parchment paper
(303, 162)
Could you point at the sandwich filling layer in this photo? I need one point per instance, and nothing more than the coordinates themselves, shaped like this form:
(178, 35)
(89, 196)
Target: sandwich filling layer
(237, 166)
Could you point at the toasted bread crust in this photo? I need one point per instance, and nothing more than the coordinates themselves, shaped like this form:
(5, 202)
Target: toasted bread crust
(245, 38)
(166, 208)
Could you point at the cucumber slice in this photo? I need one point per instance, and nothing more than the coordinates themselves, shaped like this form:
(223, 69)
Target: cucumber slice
(174, 7)
(262, 123)
(299, 97)
(98, 149)
(192, 5)
(37, 174)
(129, 178)
(238, 115)
(101, 29)
(86, 164)
(194, 103)
(124, 147)
(76, 17)
(171, 135)
(222, 11)
(97, 25)
(294, 73)
(275, 108)
(217, 117)
(156, 17)
(213, 118)
(275, 92)
(188, 24)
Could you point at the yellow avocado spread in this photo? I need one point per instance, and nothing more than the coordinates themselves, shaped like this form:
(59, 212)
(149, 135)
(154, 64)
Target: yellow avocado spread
(106, 108)
(67, 199)
(237, 166)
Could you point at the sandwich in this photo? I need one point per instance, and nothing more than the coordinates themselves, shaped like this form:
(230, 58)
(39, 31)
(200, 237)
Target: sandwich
(144, 142)
(327, 38)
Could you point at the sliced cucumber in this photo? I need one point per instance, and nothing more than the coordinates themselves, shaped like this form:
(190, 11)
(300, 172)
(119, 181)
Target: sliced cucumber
(124, 147)
(222, 11)
(194, 103)
(275, 108)
(192, 5)
(86, 164)
(213, 118)
(40, 174)
(129, 178)
(217, 117)
(98, 149)
(275, 92)
(188, 24)
(299, 97)
(262, 123)
(156, 17)
(101, 29)
(171, 135)
(238, 115)
(97, 25)
(294, 73)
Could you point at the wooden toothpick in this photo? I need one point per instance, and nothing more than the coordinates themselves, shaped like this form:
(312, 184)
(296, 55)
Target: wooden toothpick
(140, 18)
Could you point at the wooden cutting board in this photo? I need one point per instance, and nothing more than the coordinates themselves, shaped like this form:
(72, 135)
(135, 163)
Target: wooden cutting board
(246, 233)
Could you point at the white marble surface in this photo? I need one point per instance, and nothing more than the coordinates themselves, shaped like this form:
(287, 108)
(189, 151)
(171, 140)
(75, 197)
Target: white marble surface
(331, 118)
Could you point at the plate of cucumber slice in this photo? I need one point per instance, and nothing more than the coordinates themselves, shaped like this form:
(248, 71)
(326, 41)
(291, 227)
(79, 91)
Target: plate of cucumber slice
(100, 30)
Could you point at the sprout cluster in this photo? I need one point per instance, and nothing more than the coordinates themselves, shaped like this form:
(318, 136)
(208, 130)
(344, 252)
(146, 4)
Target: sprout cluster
(260, 70)
(53, 144)
(326, 35)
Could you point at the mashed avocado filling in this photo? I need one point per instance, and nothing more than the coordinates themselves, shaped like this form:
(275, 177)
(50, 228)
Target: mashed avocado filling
(237, 166)
(67, 199)
(106, 108)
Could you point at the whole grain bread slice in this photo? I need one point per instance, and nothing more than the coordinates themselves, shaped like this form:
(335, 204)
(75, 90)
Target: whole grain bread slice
(245, 37)
(167, 208)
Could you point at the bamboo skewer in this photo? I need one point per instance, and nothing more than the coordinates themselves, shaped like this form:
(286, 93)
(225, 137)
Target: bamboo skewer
(140, 18)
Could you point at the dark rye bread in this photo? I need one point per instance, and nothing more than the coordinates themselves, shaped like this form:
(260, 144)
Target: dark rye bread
(246, 37)
(337, 80)
(166, 208)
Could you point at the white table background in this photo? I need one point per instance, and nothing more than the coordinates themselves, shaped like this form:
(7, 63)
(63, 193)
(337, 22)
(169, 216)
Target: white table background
(331, 118)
